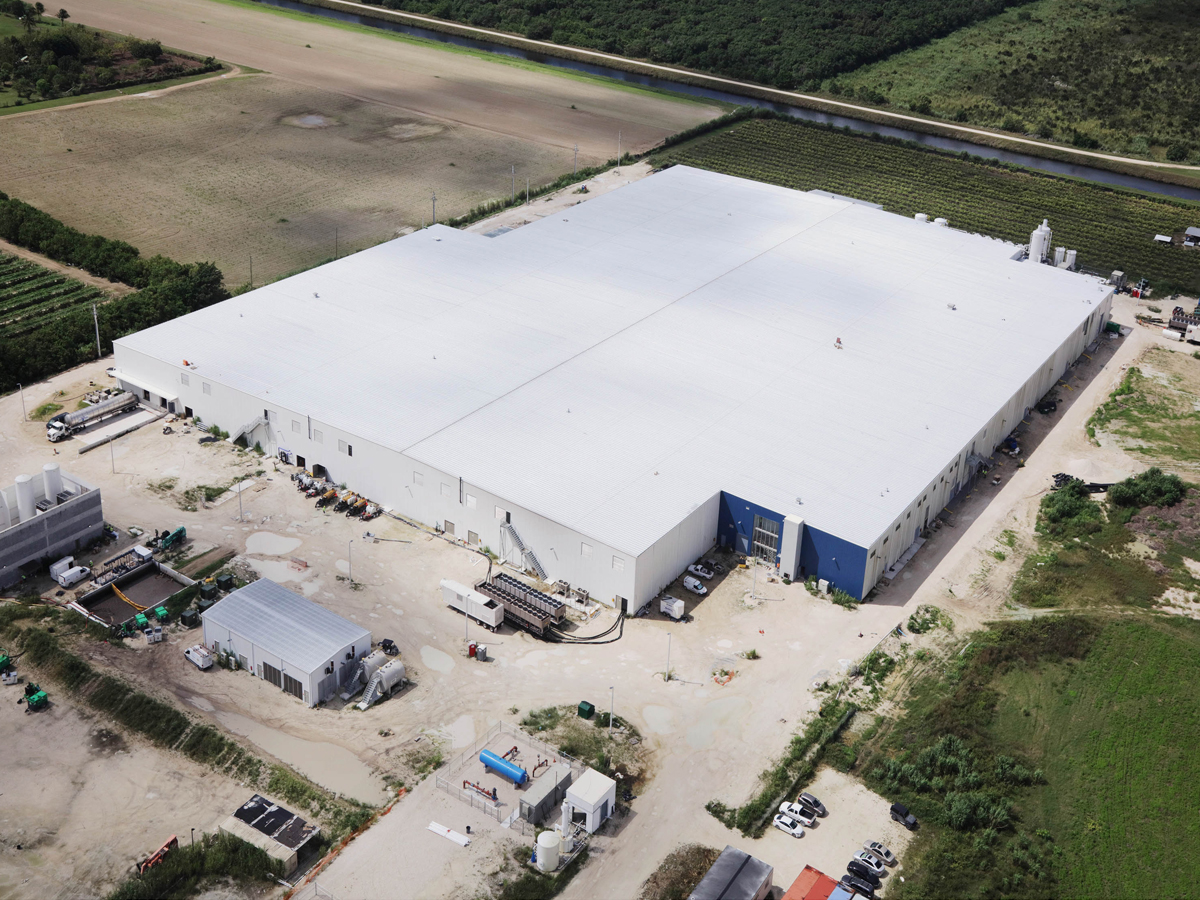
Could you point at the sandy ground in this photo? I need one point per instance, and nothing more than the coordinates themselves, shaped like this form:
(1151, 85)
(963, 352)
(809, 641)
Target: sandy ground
(81, 802)
(708, 741)
(353, 134)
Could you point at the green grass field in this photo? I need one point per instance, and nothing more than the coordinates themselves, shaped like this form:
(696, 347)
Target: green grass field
(32, 297)
(1116, 74)
(1115, 735)
(1053, 759)
(1111, 229)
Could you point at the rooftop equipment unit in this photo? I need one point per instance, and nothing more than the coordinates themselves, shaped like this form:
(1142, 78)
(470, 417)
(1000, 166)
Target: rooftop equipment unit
(1039, 241)
(940, 221)
(1070, 260)
(1060, 255)
(922, 217)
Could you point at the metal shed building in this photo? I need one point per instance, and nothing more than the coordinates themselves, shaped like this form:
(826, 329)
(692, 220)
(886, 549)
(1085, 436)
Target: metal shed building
(603, 395)
(298, 646)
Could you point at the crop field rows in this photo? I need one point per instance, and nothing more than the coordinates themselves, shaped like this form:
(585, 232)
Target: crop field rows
(1111, 229)
(31, 297)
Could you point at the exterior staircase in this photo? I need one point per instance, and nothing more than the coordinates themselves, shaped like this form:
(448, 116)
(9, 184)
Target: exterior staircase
(371, 694)
(530, 558)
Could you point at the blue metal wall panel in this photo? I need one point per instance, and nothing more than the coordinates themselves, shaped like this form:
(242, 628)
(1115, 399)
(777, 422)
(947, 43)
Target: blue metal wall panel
(842, 564)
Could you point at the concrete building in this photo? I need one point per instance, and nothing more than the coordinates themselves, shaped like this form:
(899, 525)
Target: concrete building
(736, 875)
(604, 395)
(298, 646)
(593, 797)
(44, 518)
(279, 832)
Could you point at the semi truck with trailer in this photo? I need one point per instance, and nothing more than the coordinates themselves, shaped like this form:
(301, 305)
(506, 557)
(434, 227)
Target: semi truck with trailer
(64, 425)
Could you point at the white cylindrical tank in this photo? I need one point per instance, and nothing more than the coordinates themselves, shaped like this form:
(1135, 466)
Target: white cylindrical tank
(564, 829)
(52, 479)
(5, 516)
(1060, 254)
(1039, 241)
(391, 676)
(547, 851)
(922, 217)
(1070, 259)
(373, 663)
(25, 502)
(940, 221)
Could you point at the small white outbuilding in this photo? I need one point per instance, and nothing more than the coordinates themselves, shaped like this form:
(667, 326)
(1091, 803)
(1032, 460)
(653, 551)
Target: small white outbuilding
(594, 796)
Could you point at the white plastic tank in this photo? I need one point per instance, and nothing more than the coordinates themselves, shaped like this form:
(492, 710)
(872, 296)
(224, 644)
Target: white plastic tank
(922, 217)
(52, 479)
(391, 676)
(1070, 259)
(1039, 241)
(1060, 254)
(940, 221)
(373, 663)
(547, 851)
(25, 502)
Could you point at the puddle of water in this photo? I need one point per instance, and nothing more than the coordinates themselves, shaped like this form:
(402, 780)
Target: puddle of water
(659, 719)
(266, 543)
(200, 703)
(722, 713)
(329, 765)
(724, 645)
(278, 570)
(435, 659)
(461, 731)
(342, 566)
(309, 588)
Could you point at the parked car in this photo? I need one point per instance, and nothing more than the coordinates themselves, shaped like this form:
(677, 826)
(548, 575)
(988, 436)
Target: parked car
(812, 803)
(868, 859)
(699, 571)
(901, 814)
(858, 870)
(857, 885)
(199, 655)
(880, 852)
(713, 565)
(694, 585)
(789, 825)
(805, 817)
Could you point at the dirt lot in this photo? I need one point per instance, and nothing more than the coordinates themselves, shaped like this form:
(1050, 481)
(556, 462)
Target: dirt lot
(354, 133)
(707, 741)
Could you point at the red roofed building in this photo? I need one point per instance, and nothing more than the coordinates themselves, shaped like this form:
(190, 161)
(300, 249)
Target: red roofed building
(811, 884)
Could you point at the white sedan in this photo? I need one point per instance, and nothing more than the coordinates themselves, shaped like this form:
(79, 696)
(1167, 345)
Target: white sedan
(869, 860)
(700, 572)
(695, 586)
(789, 826)
(797, 812)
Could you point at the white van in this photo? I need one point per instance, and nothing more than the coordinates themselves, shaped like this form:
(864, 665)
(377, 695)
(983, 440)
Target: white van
(199, 655)
(695, 585)
(74, 576)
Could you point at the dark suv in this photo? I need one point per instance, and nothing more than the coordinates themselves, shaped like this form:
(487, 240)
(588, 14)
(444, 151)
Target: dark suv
(901, 814)
(858, 885)
(861, 872)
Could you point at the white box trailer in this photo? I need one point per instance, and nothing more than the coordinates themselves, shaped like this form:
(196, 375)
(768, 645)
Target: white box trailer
(63, 565)
(672, 607)
(484, 610)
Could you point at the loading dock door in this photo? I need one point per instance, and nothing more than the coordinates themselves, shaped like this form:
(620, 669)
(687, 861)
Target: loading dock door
(272, 674)
(293, 687)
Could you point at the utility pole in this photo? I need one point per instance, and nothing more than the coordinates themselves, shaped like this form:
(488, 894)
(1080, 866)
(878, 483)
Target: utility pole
(350, 562)
(240, 519)
(618, 152)
(526, 191)
(251, 270)
(96, 322)
(112, 455)
(667, 674)
(435, 208)
(514, 184)
(24, 415)
(611, 706)
(576, 172)
(335, 242)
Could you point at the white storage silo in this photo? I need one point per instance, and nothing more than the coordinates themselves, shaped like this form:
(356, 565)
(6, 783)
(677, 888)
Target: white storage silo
(1060, 253)
(25, 502)
(52, 480)
(547, 851)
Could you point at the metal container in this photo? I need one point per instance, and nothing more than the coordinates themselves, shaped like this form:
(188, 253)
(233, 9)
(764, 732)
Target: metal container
(499, 764)
(586, 710)
(208, 591)
(225, 582)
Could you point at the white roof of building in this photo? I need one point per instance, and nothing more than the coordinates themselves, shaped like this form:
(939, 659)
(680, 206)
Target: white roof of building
(284, 624)
(591, 788)
(613, 366)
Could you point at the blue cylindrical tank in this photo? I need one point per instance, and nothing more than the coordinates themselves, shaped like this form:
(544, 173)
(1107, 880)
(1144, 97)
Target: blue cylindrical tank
(504, 767)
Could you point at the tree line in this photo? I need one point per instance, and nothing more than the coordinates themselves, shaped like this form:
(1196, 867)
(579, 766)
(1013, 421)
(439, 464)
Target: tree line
(168, 289)
(784, 43)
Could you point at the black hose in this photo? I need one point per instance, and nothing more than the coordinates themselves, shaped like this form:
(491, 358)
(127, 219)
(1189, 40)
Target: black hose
(561, 637)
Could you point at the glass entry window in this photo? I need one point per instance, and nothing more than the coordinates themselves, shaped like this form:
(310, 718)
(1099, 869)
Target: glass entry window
(766, 539)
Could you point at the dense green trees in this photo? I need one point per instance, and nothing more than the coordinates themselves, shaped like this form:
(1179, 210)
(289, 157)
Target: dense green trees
(788, 44)
(169, 289)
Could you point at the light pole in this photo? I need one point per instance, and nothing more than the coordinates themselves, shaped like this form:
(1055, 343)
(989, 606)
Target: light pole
(514, 183)
(193, 835)
(435, 209)
(24, 415)
(618, 153)
(667, 674)
(96, 322)
(350, 560)
(611, 705)
(527, 191)
(112, 455)
(576, 172)
(240, 517)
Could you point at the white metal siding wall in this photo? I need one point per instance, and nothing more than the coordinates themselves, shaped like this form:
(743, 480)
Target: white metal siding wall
(674, 551)
(1000, 426)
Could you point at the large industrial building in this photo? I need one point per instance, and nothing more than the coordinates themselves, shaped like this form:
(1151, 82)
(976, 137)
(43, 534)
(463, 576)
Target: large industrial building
(44, 518)
(605, 394)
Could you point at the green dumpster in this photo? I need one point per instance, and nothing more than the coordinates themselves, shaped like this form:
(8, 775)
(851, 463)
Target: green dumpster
(586, 710)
